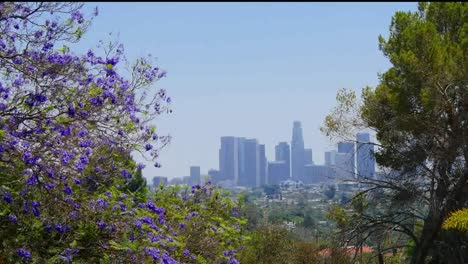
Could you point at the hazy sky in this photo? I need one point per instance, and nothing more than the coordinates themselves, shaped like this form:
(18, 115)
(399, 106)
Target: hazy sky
(248, 69)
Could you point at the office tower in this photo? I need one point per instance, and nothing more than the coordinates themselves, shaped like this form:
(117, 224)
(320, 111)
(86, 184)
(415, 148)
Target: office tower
(214, 175)
(277, 172)
(344, 166)
(282, 153)
(308, 156)
(317, 173)
(297, 152)
(195, 175)
(348, 147)
(241, 161)
(158, 180)
(252, 164)
(330, 157)
(365, 159)
(263, 165)
(229, 159)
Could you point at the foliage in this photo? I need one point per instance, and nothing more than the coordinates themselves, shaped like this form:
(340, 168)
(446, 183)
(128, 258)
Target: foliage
(457, 220)
(268, 244)
(205, 221)
(68, 123)
(419, 113)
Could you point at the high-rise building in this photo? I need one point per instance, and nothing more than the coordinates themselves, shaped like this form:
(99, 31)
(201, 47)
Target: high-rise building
(241, 160)
(158, 180)
(308, 156)
(195, 175)
(344, 166)
(263, 165)
(348, 147)
(252, 164)
(229, 159)
(297, 152)
(330, 157)
(277, 172)
(365, 159)
(214, 175)
(317, 173)
(283, 153)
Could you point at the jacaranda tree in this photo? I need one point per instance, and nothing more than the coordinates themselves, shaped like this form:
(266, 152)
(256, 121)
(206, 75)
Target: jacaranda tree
(68, 123)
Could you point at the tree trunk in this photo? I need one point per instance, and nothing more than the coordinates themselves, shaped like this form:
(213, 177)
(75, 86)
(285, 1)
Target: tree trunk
(430, 230)
(379, 253)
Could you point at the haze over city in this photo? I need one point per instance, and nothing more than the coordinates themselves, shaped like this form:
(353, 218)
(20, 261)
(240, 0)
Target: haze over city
(248, 69)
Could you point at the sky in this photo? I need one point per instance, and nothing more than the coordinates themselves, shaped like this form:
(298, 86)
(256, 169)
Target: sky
(247, 69)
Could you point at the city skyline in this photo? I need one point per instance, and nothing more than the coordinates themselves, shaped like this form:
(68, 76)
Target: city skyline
(250, 77)
(242, 162)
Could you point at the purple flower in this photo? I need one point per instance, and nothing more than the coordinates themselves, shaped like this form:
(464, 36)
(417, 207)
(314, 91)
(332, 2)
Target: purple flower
(73, 214)
(186, 252)
(79, 166)
(13, 218)
(101, 224)
(23, 253)
(59, 228)
(137, 223)
(148, 147)
(67, 190)
(76, 181)
(108, 194)
(154, 252)
(84, 159)
(125, 173)
(71, 110)
(66, 156)
(86, 143)
(102, 203)
(146, 220)
(83, 132)
(17, 60)
(7, 197)
(32, 180)
(141, 166)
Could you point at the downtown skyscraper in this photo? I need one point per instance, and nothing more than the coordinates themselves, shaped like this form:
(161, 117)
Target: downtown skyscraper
(229, 159)
(365, 159)
(283, 153)
(297, 152)
(345, 160)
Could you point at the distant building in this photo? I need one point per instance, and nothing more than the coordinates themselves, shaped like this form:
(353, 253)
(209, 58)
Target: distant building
(263, 165)
(297, 152)
(175, 181)
(348, 148)
(158, 180)
(330, 157)
(344, 167)
(241, 158)
(252, 164)
(195, 175)
(282, 153)
(317, 173)
(229, 159)
(277, 172)
(308, 156)
(365, 159)
(214, 175)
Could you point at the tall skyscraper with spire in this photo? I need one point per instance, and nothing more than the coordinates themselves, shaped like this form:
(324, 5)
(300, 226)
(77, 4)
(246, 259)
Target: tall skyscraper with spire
(297, 152)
